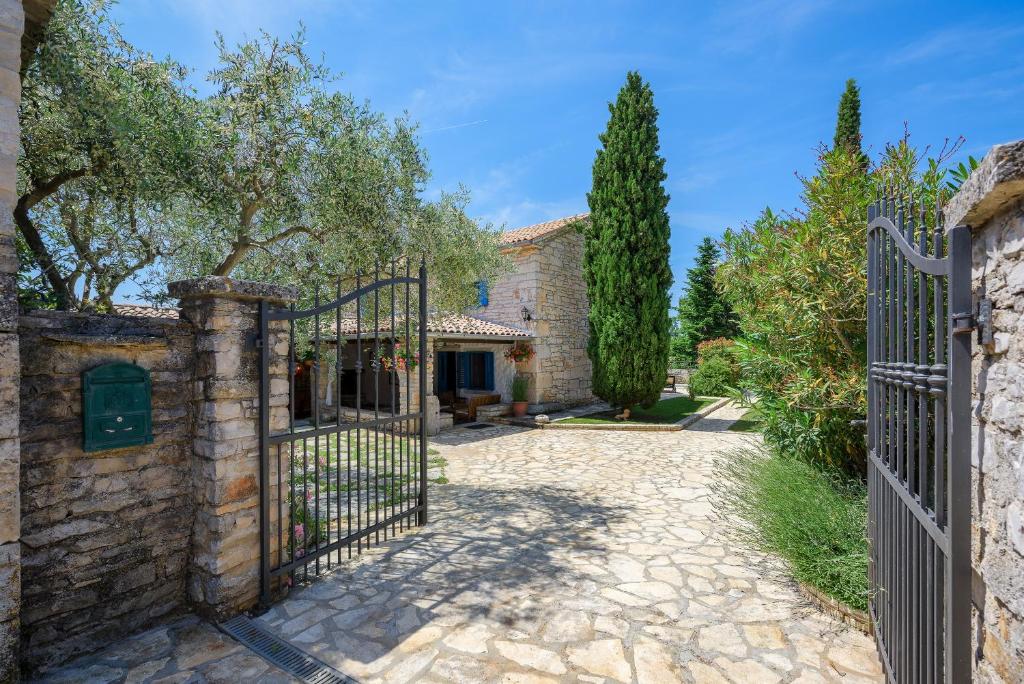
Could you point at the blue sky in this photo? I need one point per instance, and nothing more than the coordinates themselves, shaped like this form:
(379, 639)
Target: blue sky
(511, 96)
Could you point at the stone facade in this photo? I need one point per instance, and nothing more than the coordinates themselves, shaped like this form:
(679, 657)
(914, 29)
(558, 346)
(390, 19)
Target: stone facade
(105, 535)
(548, 281)
(991, 202)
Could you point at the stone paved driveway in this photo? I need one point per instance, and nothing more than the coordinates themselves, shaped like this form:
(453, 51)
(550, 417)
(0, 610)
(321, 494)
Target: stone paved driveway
(572, 556)
(552, 556)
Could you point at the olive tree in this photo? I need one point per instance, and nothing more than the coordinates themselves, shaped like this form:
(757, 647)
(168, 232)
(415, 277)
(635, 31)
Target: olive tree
(108, 141)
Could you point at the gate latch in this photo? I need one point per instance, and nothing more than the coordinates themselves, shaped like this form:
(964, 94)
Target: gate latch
(983, 322)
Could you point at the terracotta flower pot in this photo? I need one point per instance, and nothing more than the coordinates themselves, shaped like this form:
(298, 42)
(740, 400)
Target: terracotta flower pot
(519, 408)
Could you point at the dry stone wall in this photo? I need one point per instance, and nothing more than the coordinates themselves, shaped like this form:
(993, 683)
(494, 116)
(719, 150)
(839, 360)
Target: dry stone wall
(105, 535)
(991, 202)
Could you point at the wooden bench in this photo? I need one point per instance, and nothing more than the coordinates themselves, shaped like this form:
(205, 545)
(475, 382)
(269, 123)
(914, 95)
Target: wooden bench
(480, 400)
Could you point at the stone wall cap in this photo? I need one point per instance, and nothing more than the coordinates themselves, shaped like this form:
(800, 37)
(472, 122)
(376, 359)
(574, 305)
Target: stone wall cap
(230, 288)
(994, 185)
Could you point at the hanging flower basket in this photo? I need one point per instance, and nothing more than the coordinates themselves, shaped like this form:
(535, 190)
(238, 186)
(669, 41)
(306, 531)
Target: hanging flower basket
(519, 351)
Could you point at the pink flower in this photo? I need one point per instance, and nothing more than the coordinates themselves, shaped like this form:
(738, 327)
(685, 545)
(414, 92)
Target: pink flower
(300, 531)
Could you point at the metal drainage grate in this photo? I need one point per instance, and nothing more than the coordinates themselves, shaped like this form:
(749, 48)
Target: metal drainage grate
(477, 426)
(282, 654)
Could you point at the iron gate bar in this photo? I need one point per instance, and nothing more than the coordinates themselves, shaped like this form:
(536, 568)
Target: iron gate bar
(919, 440)
(394, 495)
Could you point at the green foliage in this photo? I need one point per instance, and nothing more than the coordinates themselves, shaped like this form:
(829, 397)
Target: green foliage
(718, 371)
(960, 173)
(626, 254)
(750, 421)
(815, 520)
(704, 313)
(519, 387)
(713, 378)
(848, 122)
(108, 147)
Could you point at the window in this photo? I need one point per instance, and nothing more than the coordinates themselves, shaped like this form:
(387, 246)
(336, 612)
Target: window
(481, 293)
(476, 370)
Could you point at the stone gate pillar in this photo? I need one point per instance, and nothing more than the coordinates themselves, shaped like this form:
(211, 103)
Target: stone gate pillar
(224, 573)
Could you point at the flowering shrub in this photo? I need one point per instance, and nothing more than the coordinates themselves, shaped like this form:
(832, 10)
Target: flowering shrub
(306, 531)
(519, 351)
(403, 358)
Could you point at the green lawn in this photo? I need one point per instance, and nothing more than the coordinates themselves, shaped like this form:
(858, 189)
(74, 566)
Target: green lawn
(748, 422)
(665, 411)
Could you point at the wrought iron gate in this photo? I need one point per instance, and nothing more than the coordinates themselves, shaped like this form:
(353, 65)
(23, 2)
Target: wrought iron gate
(343, 458)
(919, 391)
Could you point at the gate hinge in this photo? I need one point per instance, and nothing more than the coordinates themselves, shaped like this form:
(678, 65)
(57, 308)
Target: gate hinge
(257, 342)
(963, 322)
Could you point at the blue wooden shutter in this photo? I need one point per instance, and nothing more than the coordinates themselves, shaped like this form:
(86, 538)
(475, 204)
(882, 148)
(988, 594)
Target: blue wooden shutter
(488, 370)
(442, 372)
(481, 293)
(462, 377)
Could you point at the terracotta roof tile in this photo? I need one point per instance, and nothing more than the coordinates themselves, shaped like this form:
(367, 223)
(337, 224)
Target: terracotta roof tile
(447, 324)
(528, 233)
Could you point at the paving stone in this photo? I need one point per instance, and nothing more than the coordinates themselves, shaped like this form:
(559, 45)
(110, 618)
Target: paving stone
(705, 674)
(765, 636)
(654, 663)
(724, 638)
(532, 657)
(748, 671)
(470, 639)
(604, 657)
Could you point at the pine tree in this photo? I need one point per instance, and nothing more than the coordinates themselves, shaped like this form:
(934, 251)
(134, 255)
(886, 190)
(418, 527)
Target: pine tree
(848, 120)
(704, 314)
(626, 254)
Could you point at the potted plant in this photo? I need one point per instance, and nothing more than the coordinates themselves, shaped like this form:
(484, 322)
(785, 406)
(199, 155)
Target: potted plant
(518, 388)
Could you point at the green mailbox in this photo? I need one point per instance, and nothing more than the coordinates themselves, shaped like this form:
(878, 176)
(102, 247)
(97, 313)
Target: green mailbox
(116, 407)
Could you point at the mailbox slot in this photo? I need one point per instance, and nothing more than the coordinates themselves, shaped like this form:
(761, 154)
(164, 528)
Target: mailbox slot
(116, 407)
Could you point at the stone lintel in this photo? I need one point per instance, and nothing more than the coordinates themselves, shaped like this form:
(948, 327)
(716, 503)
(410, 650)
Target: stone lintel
(993, 186)
(230, 288)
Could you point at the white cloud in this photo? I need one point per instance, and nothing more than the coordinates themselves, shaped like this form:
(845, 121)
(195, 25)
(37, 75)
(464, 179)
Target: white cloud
(527, 212)
(957, 43)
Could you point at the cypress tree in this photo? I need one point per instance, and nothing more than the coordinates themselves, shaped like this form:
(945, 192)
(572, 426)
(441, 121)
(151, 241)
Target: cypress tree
(848, 120)
(704, 314)
(625, 260)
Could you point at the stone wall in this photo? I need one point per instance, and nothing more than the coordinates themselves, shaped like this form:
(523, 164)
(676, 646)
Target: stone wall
(563, 367)
(11, 25)
(991, 202)
(547, 279)
(105, 535)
